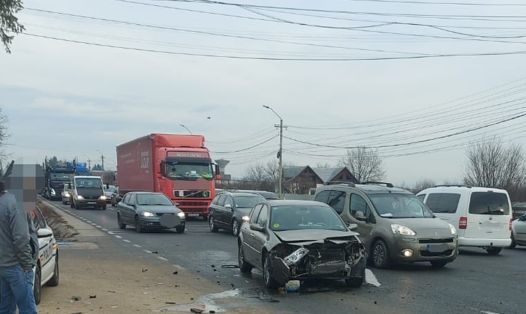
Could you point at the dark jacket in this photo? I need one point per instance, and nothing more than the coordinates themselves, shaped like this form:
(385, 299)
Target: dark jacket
(15, 240)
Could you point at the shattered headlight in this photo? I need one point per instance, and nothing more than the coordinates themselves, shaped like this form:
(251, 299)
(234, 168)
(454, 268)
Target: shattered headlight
(296, 256)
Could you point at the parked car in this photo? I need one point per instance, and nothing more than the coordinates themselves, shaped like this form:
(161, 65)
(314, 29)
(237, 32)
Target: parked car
(110, 191)
(47, 267)
(394, 224)
(66, 194)
(289, 240)
(482, 215)
(227, 210)
(518, 232)
(149, 210)
(87, 191)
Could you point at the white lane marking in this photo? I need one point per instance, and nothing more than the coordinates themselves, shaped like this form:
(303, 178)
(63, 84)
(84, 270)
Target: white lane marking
(370, 278)
(127, 241)
(488, 312)
(148, 251)
(104, 229)
(109, 232)
(162, 258)
(137, 245)
(118, 236)
(98, 226)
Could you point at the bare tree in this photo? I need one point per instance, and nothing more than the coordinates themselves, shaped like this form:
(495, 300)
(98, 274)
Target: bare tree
(9, 22)
(491, 164)
(364, 163)
(263, 176)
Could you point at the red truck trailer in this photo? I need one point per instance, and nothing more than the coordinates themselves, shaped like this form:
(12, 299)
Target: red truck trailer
(177, 165)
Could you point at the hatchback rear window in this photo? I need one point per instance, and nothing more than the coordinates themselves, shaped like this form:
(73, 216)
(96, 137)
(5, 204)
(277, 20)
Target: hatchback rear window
(489, 203)
(443, 202)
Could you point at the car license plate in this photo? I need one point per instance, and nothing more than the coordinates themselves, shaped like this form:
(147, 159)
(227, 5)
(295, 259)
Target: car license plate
(437, 248)
(192, 215)
(92, 203)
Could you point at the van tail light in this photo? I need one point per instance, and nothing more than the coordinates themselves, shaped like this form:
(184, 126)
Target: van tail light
(463, 223)
(510, 223)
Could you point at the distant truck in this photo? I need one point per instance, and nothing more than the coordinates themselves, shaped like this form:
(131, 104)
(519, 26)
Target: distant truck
(177, 165)
(55, 178)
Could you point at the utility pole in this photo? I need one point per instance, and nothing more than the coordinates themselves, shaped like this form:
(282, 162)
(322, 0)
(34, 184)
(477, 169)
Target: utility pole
(89, 164)
(102, 158)
(280, 152)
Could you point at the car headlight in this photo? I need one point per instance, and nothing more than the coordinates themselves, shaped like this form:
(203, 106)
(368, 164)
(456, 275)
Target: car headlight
(181, 215)
(80, 197)
(402, 230)
(66, 194)
(148, 214)
(452, 229)
(53, 192)
(102, 197)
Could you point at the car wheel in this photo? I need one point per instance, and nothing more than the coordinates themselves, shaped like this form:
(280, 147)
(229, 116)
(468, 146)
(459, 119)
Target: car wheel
(180, 229)
(356, 282)
(103, 207)
(37, 288)
(53, 282)
(438, 264)
(119, 222)
(380, 254)
(235, 228)
(138, 227)
(493, 250)
(244, 267)
(270, 283)
(513, 243)
(211, 224)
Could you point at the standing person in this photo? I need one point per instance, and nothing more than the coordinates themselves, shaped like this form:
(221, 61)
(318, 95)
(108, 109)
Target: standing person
(16, 258)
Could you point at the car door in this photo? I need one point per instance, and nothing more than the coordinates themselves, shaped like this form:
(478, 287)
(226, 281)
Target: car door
(226, 210)
(248, 237)
(519, 229)
(259, 238)
(361, 215)
(126, 210)
(489, 215)
(45, 245)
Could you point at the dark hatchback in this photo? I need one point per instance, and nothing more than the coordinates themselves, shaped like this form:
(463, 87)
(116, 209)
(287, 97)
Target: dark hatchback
(299, 240)
(147, 210)
(227, 210)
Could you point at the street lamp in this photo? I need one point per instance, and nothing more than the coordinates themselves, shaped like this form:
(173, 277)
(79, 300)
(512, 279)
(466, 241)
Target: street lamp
(184, 126)
(280, 153)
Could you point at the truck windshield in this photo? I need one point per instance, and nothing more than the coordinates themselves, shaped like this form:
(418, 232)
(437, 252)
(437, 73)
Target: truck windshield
(95, 183)
(60, 177)
(188, 171)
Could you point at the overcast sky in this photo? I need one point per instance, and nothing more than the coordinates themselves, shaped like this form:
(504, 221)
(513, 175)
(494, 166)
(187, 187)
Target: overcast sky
(71, 99)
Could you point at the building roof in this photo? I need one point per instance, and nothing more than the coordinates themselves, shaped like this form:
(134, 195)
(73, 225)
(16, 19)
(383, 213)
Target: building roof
(327, 174)
(292, 171)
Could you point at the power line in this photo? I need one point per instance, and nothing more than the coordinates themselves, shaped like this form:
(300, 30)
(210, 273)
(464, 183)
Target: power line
(247, 148)
(321, 59)
(444, 3)
(415, 142)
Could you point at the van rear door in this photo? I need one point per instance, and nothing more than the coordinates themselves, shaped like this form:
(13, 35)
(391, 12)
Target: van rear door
(489, 215)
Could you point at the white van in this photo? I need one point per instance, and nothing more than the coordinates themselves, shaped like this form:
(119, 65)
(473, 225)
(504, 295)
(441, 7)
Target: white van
(482, 215)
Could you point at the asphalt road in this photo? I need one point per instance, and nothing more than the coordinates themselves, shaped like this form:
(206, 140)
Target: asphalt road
(474, 283)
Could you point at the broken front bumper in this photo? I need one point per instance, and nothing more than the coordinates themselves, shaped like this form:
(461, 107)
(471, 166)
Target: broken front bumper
(324, 261)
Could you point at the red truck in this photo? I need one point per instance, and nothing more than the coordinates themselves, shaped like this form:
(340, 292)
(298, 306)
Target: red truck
(177, 165)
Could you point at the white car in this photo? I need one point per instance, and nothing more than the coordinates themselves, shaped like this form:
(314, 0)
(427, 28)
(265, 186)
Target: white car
(482, 215)
(518, 231)
(46, 270)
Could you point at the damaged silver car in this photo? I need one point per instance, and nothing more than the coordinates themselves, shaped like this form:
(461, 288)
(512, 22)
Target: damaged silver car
(297, 240)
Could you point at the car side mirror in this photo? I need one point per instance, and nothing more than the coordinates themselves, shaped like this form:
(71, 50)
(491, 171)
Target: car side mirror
(44, 233)
(353, 226)
(360, 216)
(256, 227)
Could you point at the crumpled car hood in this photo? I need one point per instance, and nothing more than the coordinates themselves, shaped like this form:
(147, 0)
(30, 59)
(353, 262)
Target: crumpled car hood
(312, 235)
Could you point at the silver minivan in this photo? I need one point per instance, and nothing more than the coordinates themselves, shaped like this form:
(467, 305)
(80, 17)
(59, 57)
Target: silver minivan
(393, 223)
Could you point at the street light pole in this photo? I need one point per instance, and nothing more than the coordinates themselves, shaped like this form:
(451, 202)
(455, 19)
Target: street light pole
(184, 126)
(280, 153)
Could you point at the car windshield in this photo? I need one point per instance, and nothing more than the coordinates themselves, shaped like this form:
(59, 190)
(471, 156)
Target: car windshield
(392, 205)
(153, 199)
(248, 201)
(111, 189)
(95, 183)
(188, 171)
(299, 217)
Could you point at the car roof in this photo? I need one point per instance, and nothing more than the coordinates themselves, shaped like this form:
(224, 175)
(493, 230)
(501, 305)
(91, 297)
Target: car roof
(245, 194)
(460, 188)
(367, 188)
(294, 203)
(145, 192)
(87, 177)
